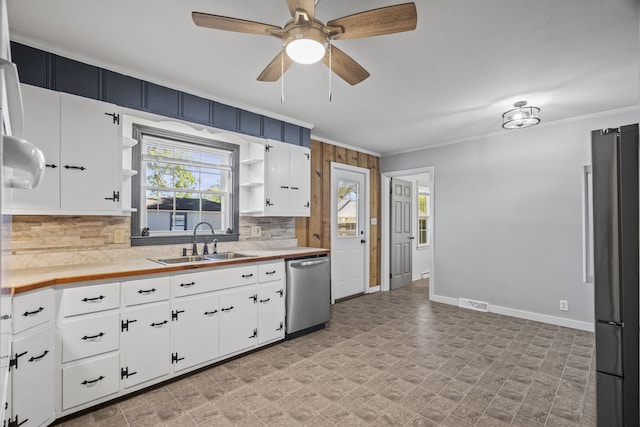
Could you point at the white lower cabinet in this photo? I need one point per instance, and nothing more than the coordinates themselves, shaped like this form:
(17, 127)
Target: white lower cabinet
(114, 338)
(90, 380)
(196, 322)
(32, 378)
(238, 319)
(270, 311)
(32, 360)
(146, 343)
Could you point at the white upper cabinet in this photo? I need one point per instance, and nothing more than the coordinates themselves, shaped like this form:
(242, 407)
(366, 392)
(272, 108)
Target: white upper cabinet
(90, 155)
(80, 141)
(288, 179)
(41, 128)
(275, 181)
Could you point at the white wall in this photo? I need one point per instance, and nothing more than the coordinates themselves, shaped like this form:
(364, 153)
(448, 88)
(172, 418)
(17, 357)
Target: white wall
(508, 218)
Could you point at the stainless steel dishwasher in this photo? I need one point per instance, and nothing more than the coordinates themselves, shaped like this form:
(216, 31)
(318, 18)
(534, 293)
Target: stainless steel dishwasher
(308, 294)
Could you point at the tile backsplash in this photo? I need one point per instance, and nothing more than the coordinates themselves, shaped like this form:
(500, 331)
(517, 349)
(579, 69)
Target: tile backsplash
(43, 240)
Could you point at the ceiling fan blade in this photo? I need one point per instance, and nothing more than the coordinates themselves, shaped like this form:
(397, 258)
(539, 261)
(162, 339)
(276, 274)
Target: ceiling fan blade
(232, 24)
(275, 69)
(308, 6)
(377, 22)
(345, 67)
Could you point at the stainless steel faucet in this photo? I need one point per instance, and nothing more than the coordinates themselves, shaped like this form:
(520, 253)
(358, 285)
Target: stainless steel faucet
(194, 246)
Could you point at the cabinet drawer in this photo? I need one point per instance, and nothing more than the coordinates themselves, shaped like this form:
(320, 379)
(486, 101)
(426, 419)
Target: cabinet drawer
(270, 272)
(90, 335)
(213, 280)
(89, 299)
(146, 290)
(90, 380)
(32, 309)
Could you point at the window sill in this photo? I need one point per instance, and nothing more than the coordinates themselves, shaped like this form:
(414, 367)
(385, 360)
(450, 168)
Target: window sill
(176, 240)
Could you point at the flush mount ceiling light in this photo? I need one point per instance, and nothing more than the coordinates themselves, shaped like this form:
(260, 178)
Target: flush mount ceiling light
(306, 45)
(521, 116)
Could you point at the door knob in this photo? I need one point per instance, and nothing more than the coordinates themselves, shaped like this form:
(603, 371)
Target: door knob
(363, 241)
(411, 238)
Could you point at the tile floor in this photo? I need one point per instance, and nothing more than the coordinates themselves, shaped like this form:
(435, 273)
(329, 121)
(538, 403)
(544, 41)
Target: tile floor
(387, 359)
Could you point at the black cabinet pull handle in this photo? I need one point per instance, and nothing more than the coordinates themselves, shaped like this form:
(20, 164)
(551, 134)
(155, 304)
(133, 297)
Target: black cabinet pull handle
(187, 285)
(265, 300)
(306, 206)
(80, 168)
(155, 325)
(37, 358)
(96, 299)
(269, 273)
(93, 337)
(284, 187)
(227, 309)
(246, 276)
(254, 297)
(281, 327)
(255, 333)
(211, 313)
(92, 382)
(294, 188)
(281, 292)
(115, 197)
(32, 313)
(52, 166)
(22, 422)
(146, 291)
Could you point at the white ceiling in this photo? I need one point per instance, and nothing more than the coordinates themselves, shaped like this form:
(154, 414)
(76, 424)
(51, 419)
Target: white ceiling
(449, 80)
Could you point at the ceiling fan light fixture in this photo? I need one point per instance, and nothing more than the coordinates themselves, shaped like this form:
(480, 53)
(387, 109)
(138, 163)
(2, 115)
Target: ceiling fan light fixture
(305, 50)
(521, 116)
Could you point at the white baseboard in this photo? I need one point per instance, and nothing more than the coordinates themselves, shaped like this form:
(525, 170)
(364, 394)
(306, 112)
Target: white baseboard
(528, 315)
(414, 278)
(426, 275)
(373, 289)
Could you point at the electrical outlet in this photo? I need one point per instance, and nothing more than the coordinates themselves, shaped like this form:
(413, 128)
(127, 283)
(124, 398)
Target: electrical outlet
(564, 305)
(255, 231)
(119, 236)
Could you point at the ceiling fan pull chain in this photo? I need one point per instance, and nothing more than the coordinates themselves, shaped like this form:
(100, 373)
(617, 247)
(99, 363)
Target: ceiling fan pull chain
(330, 72)
(282, 76)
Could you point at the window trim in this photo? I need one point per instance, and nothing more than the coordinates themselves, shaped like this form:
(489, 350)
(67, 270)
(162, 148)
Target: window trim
(138, 132)
(426, 191)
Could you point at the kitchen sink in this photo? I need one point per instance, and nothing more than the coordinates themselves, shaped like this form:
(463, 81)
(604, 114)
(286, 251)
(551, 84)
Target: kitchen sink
(226, 255)
(221, 256)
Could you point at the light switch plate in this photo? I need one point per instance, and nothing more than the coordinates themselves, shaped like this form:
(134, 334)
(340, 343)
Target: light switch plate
(255, 231)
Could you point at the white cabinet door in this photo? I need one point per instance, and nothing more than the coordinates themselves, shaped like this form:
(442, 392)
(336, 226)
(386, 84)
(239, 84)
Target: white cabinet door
(288, 180)
(300, 180)
(277, 179)
(90, 156)
(270, 311)
(42, 128)
(146, 343)
(195, 330)
(33, 378)
(238, 319)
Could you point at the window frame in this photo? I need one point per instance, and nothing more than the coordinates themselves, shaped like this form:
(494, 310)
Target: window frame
(423, 191)
(138, 132)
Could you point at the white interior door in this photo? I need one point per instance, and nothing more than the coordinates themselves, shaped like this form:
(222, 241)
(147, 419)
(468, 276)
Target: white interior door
(349, 231)
(401, 238)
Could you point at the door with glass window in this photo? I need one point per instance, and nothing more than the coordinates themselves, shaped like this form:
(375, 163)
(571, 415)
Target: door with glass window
(349, 229)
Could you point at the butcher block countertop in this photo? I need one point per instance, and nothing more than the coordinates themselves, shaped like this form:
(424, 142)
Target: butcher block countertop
(23, 280)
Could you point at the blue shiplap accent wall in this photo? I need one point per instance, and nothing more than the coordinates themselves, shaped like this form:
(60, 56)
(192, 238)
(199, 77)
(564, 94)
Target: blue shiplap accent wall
(44, 69)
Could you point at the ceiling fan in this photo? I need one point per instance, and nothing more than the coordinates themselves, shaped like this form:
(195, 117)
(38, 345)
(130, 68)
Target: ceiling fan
(307, 40)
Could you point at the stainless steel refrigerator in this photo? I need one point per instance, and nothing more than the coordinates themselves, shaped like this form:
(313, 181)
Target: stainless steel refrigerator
(614, 156)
